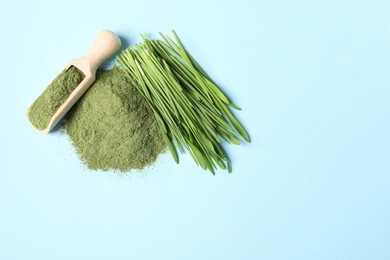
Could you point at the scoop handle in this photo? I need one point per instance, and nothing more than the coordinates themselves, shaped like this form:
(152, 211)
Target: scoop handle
(105, 45)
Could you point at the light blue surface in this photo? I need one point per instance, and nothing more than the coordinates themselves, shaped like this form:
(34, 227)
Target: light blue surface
(312, 79)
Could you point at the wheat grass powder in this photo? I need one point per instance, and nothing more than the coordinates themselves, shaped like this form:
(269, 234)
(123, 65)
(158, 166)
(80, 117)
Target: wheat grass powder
(112, 127)
(47, 104)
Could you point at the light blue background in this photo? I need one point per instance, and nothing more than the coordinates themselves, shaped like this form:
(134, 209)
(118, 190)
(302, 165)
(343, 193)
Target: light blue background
(312, 78)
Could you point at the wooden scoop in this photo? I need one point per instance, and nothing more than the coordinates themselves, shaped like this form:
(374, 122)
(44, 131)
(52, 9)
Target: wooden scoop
(105, 45)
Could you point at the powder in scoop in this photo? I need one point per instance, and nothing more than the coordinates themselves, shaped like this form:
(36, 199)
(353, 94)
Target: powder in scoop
(47, 104)
(112, 127)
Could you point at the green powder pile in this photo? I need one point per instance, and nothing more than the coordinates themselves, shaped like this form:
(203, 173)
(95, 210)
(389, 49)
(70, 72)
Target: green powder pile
(47, 104)
(112, 127)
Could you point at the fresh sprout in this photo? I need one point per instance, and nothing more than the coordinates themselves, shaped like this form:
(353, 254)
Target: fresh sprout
(190, 109)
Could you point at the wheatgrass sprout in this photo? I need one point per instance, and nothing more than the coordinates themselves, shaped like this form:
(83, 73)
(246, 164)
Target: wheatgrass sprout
(190, 109)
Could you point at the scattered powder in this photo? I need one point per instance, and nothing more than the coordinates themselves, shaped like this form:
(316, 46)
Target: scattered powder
(112, 127)
(47, 104)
